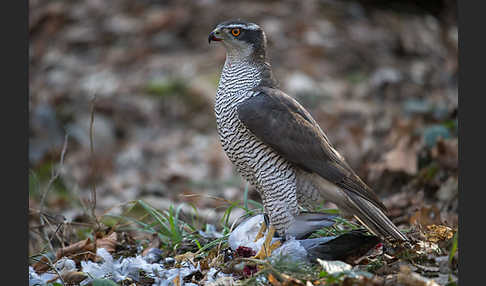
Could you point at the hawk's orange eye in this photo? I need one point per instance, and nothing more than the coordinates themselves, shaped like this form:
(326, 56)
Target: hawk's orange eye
(235, 32)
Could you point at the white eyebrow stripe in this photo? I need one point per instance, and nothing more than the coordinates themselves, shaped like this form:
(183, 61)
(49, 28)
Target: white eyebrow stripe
(242, 26)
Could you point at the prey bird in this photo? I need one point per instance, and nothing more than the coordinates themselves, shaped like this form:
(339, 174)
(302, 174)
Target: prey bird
(278, 147)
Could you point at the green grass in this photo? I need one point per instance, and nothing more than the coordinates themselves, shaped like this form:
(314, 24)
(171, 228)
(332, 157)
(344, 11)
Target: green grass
(171, 230)
(166, 87)
(341, 226)
(175, 229)
(453, 251)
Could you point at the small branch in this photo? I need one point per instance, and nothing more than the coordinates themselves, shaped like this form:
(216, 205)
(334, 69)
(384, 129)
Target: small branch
(55, 175)
(52, 266)
(91, 145)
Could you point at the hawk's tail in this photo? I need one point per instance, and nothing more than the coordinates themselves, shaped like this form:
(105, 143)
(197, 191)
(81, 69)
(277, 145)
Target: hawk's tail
(374, 219)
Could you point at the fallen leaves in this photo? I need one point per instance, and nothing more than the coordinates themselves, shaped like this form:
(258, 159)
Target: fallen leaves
(427, 247)
(188, 256)
(108, 242)
(436, 233)
(73, 277)
(213, 259)
(154, 243)
(287, 280)
(369, 113)
(273, 280)
(79, 247)
(407, 278)
(402, 158)
(426, 215)
(81, 250)
(446, 152)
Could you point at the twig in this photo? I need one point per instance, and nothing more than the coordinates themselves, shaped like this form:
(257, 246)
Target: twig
(51, 265)
(58, 228)
(54, 176)
(91, 145)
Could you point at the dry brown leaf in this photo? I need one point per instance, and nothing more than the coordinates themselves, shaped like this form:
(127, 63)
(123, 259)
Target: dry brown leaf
(186, 256)
(218, 260)
(42, 265)
(108, 242)
(75, 248)
(154, 243)
(426, 216)
(70, 278)
(408, 278)
(273, 280)
(447, 152)
(438, 233)
(403, 157)
(291, 281)
(85, 247)
(426, 247)
(73, 277)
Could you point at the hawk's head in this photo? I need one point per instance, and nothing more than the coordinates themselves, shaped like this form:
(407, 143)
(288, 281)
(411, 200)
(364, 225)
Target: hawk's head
(240, 38)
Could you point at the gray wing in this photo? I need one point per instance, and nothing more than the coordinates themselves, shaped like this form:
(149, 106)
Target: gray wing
(307, 222)
(282, 123)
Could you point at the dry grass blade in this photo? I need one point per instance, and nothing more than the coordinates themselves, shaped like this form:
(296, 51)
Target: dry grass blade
(93, 165)
(55, 174)
(53, 178)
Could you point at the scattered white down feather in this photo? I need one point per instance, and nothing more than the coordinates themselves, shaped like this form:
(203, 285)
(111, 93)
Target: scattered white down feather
(117, 270)
(130, 267)
(36, 279)
(123, 268)
(120, 270)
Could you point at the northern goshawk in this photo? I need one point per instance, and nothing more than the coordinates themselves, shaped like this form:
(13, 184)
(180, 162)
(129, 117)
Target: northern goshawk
(277, 146)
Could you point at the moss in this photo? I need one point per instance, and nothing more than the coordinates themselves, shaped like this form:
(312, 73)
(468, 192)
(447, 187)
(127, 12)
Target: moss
(356, 77)
(166, 87)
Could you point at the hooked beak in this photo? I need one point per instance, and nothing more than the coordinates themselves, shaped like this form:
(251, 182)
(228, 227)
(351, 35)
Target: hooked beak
(212, 37)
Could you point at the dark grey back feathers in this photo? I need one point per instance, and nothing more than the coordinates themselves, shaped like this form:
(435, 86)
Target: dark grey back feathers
(290, 130)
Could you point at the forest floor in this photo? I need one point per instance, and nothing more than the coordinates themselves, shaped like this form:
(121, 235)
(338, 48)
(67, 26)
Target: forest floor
(121, 110)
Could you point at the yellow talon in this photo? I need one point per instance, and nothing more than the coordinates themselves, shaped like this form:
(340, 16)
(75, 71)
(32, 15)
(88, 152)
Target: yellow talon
(267, 247)
(275, 245)
(261, 232)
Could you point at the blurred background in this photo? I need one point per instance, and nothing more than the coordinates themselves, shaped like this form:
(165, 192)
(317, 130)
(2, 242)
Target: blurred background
(380, 77)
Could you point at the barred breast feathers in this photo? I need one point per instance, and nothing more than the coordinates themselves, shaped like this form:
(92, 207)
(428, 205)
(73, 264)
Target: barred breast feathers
(273, 176)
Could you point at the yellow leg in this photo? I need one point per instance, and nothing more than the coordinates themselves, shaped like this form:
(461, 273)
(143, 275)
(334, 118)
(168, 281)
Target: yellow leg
(261, 232)
(267, 249)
